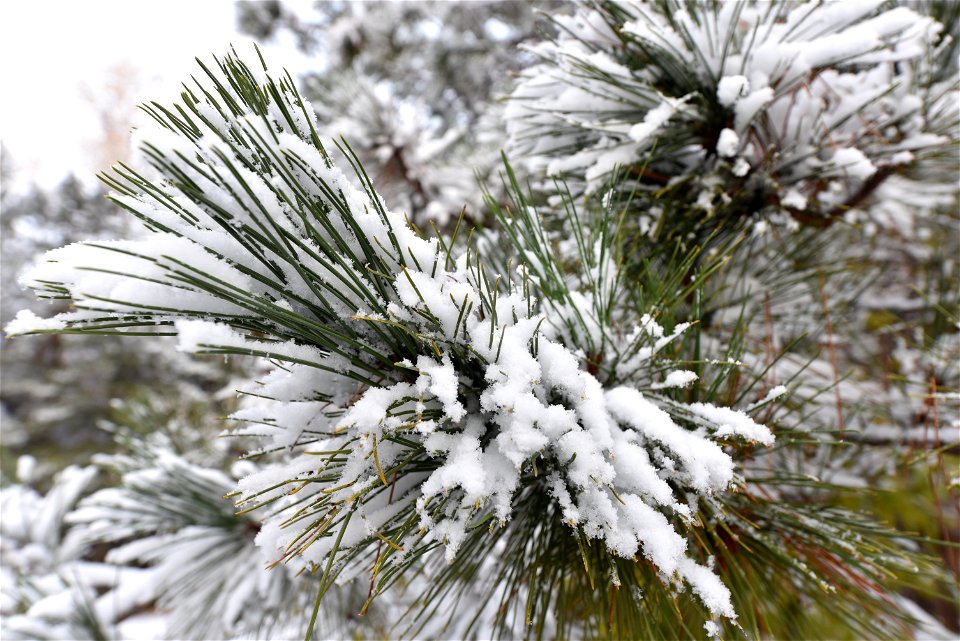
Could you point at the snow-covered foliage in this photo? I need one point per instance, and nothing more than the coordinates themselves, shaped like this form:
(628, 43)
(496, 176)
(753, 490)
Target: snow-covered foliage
(48, 591)
(562, 424)
(413, 389)
(59, 388)
(798, 110)
(745, 117)
(172, 518)
(177, 553)
(414, 85)
(426, 165)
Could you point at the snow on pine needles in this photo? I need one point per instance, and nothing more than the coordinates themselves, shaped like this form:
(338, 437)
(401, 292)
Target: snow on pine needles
(796, 110)
(413, 394)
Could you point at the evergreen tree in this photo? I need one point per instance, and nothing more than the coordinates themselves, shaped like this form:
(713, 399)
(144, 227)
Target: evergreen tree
(599, 415)
(416, 85)
(57, 388)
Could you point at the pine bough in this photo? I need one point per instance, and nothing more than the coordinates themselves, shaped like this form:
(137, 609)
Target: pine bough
(414, 395)
(798, 111)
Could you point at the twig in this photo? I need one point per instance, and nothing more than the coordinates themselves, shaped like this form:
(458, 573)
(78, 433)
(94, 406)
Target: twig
(833, 354)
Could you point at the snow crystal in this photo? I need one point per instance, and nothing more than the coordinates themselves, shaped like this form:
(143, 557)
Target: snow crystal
(727, 143)
(901, 158)
(440, 379)
(677, 378)
(709, 468)
(852, 162)
(751, 104)
(195, 336)
(706, 584)
(26, 321)
(372, 414)
(793, 198)
(27, 469)
(733, 423)
(730, 89)
(655, 119)
(775, 393)
(741, 167)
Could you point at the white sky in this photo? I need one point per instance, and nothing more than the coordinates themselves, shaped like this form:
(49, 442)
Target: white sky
(50, 49)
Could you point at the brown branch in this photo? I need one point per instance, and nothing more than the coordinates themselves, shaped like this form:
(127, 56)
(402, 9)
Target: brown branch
(869, 186)
(833, 353)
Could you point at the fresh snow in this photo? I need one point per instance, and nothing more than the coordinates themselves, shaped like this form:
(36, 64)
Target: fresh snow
(727, 143)
(615, 455)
